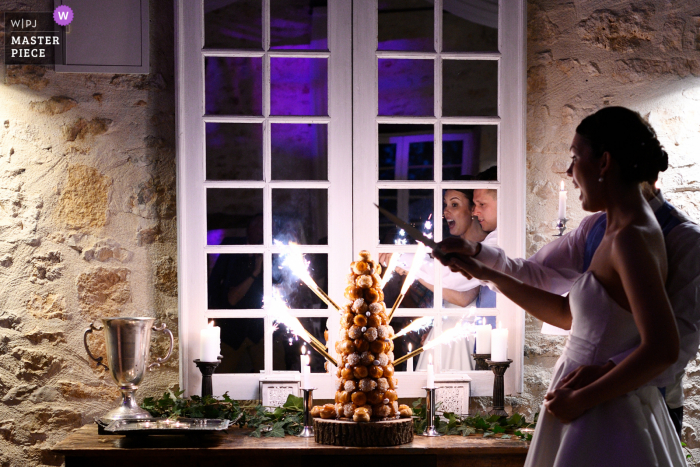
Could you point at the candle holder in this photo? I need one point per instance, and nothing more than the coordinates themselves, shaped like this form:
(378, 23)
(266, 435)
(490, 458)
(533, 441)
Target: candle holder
(308, 430)
(207, 369)
(430, 400)
(561, 225)
(499, 400)
(480, 359)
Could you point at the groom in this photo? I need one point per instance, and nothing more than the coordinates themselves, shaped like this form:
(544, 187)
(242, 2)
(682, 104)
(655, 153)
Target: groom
(558, 264)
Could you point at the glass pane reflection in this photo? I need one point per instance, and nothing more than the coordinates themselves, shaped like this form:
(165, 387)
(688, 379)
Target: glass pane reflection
(414, 206)
(299, 151)
(234, 213)
(242, 345)
(235, 280)
(234, 151)
(300, 216)
(293, 290)
(298, 24)
(405, 25)
(468, 150)
(410, 340)
(233, 85)
(469, 27)
(287, 348)
(298, 86)
(406, 152)
(406, 87)
(470, 88)
(233, 24)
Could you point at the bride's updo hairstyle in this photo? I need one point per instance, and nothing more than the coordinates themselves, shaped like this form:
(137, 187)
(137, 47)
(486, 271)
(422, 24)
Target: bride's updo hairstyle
(629, 139)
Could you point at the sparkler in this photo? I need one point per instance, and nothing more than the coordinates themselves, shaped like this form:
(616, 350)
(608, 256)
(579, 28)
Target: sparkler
(415, 266)
(417, 325)
(458, 332)
(389, 269)
(294, 260)
(280, 314)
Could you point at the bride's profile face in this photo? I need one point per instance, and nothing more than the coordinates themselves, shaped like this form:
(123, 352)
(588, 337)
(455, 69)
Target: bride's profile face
(585, 172)
(457, 212)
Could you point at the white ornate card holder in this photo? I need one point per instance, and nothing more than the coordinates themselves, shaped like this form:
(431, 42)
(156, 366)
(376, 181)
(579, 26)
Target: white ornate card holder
(453, 391)
(275, 389)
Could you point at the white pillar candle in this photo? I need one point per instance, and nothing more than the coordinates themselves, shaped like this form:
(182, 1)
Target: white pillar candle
(499, 345)
(562, 201)
(483, 339)
(305, 369)
(430, 383)
(210, 343)
(409, 362)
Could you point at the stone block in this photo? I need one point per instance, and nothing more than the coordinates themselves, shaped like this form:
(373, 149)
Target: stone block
(46, 268)
(83, 203)
(38, 336)
(49, 306)
(31, 76)
(55, 105)
(18, 394)
(36, 364)
(618, 31)
(81, 129)
(103, 292)
(166, 276)
(75, 390)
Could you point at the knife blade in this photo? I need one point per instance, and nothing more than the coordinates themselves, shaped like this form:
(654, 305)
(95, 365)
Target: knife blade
(413, 232)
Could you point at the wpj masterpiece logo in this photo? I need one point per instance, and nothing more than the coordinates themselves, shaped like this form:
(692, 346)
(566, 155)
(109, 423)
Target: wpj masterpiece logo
(31, 38)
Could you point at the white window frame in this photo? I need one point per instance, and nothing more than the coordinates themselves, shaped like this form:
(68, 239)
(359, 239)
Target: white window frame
(350, 136)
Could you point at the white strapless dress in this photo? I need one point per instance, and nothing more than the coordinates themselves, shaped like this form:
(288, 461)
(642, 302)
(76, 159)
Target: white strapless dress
(631, 430)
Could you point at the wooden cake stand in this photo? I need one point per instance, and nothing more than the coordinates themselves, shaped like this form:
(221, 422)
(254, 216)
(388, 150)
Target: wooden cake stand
(348, 433)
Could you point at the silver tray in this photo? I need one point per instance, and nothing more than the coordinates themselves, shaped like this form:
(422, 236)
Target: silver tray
(165, 426)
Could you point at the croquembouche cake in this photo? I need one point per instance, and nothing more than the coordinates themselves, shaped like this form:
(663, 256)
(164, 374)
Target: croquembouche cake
(366, 387)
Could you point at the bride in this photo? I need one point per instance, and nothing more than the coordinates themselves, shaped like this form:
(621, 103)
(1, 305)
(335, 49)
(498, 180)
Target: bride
(619, 304)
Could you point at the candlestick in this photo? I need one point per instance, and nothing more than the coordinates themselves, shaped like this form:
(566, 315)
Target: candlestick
(499, 345)
(562, 201)
(210, 343)
(308, 430)
(430, 430)
(409, 362)
(499, 369)
(207, 369)
(480, 359)
(561, 225)
(431, 373)
(483, 339)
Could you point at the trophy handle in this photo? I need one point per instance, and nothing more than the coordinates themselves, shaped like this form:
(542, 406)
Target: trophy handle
(159, 361)
(85, 343)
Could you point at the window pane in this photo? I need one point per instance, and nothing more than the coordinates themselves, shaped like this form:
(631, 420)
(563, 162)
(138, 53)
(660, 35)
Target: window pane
(300, 216)
(233, 85)
(406, 25)
(287, 348)
(233, 24)
(299, 151)
(234, 216)
(470, 27)
(292, 290)
(470, 88)
(298, 86)
(298, 24)
(242, 345)
(234, 151)
(468, 150)
(406, 152)
(414, 206)
(406, 87)
(235, 281)
(410, 340)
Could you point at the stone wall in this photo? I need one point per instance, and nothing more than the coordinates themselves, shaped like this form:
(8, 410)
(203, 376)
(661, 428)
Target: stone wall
(584, 55)
(87, 196)
(87, 230)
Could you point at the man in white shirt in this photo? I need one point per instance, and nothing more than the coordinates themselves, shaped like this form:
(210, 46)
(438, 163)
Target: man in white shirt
(560, 263)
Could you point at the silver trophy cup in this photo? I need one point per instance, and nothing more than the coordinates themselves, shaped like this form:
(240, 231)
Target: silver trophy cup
(128, 344)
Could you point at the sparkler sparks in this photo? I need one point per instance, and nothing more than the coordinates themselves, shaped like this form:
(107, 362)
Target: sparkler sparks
(447, 337)
(294, 260)
(390, 269)
(418, 259)
(418, 325)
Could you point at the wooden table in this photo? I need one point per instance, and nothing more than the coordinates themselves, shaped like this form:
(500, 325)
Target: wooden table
(85, 447)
